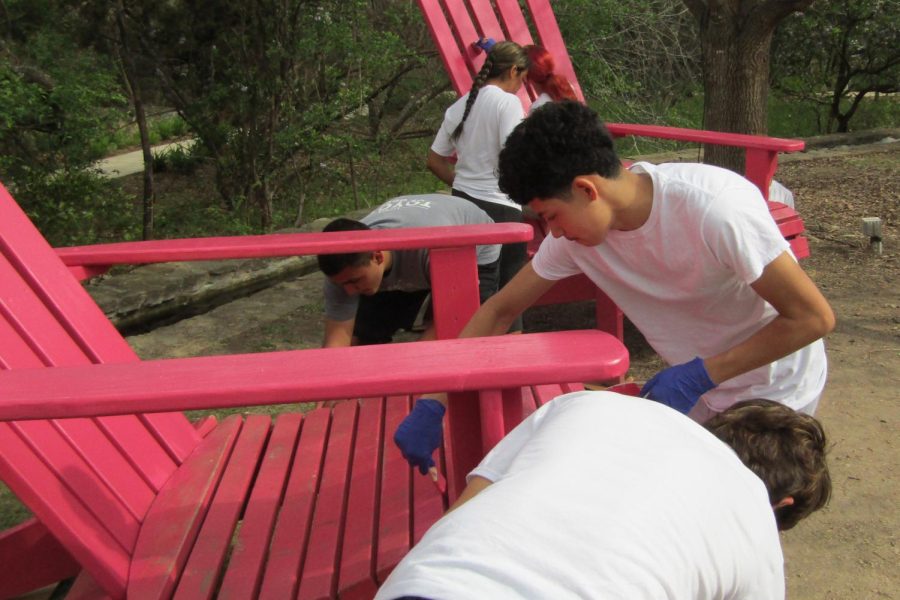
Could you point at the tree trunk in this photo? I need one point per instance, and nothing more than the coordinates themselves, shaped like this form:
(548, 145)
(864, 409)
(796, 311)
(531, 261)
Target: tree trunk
(134, 88)
(735, 79)
(735, 39)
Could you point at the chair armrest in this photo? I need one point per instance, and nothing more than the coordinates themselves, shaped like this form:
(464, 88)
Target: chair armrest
(452, 365)
(760, 159)
(291, 244)
(720, 138)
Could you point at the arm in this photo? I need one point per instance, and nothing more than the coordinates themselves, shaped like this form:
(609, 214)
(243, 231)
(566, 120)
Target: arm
(475, 486)
(419, 434)
(441, 167)
(804, 316)
(497, 314)
(338, 333)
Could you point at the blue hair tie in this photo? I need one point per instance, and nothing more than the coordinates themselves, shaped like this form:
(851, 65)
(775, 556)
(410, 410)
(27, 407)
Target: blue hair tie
(485, 44)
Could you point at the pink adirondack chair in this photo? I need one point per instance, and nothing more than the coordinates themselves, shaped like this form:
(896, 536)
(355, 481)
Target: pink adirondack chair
(456, 24)
(311, 505)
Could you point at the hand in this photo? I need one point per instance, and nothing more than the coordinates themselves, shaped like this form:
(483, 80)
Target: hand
(485, 44)
(420, 433)
(680, 386)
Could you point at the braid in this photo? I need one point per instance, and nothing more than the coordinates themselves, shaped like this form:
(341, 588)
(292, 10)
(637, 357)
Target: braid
(477, 84)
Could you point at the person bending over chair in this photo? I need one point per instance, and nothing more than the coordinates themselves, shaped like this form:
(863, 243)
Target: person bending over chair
(599, 495)
(688, 251)
(369, 296)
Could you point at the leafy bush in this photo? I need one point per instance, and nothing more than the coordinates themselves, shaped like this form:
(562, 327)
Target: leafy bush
(182, 159)
(77, 207)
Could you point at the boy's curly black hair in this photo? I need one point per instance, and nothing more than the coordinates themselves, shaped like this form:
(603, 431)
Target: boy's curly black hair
(558, 142)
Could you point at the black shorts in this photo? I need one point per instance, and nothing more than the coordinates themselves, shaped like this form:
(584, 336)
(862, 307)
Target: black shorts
(381, 315)
(512, 256)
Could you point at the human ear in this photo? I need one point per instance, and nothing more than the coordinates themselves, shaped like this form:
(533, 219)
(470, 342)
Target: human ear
(585, 187)
(378, 257)
(786, 501)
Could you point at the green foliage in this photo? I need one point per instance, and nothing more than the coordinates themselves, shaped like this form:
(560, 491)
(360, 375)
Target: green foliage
(635, 58)
(183, 159)
(271, 87)
(77, 207)
(838, 52)
(56, 98)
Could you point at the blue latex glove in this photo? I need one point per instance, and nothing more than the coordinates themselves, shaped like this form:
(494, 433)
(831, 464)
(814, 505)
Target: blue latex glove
(680, 386)
(420, 433)
(485, 44)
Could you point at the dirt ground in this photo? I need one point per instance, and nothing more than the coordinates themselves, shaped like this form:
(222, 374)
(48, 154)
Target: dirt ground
(843, 552)
(847, 550)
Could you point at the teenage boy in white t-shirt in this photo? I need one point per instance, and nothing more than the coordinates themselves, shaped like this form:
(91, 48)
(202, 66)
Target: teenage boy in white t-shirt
(598, 495)
(688, 251)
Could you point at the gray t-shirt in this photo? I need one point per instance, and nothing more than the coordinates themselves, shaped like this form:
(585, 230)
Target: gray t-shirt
(409, 269)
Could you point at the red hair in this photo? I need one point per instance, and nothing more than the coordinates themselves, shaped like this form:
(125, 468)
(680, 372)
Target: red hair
(541, 73)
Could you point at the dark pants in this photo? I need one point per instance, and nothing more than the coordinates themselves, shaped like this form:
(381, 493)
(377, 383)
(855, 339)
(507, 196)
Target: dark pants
(381, 315)
(512, 256)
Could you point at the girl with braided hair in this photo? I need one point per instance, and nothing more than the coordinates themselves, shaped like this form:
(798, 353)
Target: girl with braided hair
(474, 128)
(549, 85)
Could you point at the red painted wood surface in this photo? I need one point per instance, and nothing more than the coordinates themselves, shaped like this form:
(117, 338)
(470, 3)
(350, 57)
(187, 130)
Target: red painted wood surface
(291, 535)
(492, 427)
(319, 578)
(251, 546)
(171, 526)
(312, 375)
(292, 244)
(199, 578)
(76, 527)
(454, 289)
(394, 512)
(357, 563)
(62, 325)
(86, 588)
(720, 138)
(32, 558)
(78, 476)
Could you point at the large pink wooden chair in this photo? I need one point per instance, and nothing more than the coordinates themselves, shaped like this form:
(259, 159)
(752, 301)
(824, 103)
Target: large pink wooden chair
(147, 504)
(455, 24)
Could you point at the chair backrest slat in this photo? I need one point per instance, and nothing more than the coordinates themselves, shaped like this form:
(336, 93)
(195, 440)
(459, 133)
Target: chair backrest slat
(63, 513)
(90, 481)
(551, 39)
(455, 24)
(80, 478)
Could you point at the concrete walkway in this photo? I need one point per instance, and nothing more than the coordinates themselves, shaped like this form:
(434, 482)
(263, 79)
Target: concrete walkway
(129, 163)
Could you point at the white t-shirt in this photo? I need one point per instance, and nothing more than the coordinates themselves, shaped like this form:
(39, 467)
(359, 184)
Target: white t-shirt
(683, 278)
(541, 100)
(598, 495)
(493, 116)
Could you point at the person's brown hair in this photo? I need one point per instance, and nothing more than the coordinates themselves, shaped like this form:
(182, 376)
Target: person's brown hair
(502, 57)
(785, 449)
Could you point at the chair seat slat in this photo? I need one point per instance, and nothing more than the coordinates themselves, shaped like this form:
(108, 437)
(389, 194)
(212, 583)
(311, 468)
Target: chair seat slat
(200, 575)
(356, 572)
(396, 488)
(244, 572)
(291, 535)
(175, 518)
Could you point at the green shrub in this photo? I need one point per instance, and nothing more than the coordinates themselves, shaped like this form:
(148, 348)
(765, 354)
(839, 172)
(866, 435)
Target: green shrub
(182, 159)
(78, 207)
